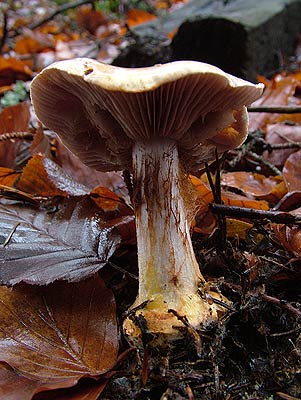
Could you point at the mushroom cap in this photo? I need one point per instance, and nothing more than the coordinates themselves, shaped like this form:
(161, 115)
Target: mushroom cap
(99, 111)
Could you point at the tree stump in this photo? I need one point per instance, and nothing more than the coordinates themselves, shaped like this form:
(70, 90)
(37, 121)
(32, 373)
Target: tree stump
(243, 37)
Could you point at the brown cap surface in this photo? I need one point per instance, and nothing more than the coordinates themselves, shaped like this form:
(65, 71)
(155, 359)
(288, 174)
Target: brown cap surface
(100, 111)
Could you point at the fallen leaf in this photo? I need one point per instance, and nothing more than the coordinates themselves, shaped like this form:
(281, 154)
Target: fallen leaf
(86, 389)
(256, 185)
(292, 172)
(237, 228)
(12, 70)
(137, 17)
(278, 92)
(89, 19)
(289, 237)
(14, 386)
(59, 333)
(42, 176)
(35, 180)
(88, 176)
(8, 176)
(279, 134)
(71, 243)
(12, 119)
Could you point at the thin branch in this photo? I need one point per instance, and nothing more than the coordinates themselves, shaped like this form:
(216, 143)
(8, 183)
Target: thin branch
(283, 304)
(16, 135)
(259, 158)
(4, 30)
(276, 109)
(279, 217)
(58, 11)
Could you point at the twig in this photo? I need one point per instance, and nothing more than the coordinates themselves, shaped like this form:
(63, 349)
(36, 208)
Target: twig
(258, 158)
(276, 109)
(283, 304)
(4, 31)
(279, 217)
(7, 240)
(59, 10)
(16, 135)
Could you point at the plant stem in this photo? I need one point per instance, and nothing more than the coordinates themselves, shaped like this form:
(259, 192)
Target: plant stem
(167, 265)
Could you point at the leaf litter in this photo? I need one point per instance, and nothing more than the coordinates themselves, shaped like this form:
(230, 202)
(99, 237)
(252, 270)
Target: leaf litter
(60, 222)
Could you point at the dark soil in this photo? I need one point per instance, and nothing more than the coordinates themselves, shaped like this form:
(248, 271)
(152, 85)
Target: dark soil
(254, 352)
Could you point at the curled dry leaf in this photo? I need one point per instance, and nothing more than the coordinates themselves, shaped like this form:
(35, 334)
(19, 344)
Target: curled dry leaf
(69, 331)
(39, 248)
(12, 119)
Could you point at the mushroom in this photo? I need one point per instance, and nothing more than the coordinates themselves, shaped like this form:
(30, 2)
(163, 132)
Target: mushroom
(161, 122)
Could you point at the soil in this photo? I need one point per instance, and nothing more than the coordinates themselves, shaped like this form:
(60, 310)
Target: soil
(253, 352)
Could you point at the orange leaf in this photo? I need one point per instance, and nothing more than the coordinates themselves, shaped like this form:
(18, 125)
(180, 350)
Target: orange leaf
(234, 199)
(35, 180)
(108, 200)
(27, 45)
(136, 17)
(277, 93)
(8, 176)
(256, 185)
(12, 70)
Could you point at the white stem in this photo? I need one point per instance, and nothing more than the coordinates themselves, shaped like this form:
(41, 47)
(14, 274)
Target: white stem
(167, 265)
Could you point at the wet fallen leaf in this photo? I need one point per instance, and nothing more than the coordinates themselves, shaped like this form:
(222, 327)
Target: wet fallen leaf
(292, 172)
(280, 134)
(69, 331)
(35, 179)
(12, 119)
(88, 176)
(278, 92)
(14, 386)
(255, 185)
(8, 176)
(289, 237)
(71, 243)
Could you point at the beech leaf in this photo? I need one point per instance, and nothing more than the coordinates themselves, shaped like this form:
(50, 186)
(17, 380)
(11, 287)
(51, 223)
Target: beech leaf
(39, 248)
(59, 333)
